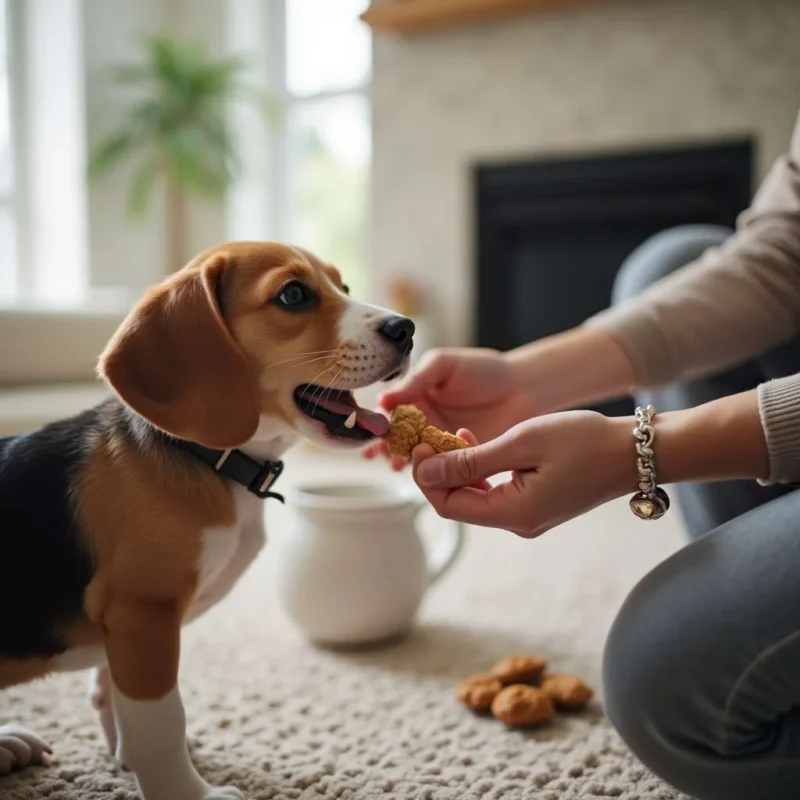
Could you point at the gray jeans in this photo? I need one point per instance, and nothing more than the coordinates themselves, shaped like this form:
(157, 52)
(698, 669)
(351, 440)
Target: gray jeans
(702, 664)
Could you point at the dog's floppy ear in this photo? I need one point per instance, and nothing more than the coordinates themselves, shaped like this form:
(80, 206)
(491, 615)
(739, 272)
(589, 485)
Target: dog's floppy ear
(174, 362)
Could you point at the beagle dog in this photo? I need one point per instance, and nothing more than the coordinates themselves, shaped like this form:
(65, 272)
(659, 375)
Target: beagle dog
(127, 521)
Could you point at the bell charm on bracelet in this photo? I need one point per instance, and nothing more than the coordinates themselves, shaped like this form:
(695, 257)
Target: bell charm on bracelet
(650, 506)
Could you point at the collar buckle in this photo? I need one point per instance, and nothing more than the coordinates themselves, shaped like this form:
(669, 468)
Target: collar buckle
(265, 478)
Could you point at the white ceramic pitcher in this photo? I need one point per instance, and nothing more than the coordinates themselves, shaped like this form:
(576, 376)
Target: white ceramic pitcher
(351, 567)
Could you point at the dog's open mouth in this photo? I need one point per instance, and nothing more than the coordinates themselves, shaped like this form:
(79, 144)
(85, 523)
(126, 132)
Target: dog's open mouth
(338, 411)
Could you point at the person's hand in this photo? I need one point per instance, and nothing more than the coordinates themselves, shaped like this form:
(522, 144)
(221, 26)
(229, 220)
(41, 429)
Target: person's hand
(461, 388)
(561, 465)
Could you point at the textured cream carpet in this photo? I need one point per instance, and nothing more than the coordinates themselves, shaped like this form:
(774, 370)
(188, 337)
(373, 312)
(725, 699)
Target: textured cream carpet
(282, 719)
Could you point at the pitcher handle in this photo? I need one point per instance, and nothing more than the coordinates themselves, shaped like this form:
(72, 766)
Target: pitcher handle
(448, 547)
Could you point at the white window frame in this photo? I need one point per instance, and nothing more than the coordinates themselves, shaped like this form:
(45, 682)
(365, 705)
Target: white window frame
(288, 102)
(13, 202)
(268, 19)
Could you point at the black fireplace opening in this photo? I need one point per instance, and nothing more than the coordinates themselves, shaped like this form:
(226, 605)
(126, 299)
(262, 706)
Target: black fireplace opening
(552, 234)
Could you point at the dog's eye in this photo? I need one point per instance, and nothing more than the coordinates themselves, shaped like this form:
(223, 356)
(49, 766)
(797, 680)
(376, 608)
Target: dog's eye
(296, 296)
(345, 288)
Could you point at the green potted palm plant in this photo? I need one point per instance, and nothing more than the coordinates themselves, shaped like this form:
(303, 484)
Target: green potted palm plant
(176, 128)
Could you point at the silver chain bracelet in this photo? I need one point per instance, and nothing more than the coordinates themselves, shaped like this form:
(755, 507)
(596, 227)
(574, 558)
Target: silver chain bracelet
(651, 501)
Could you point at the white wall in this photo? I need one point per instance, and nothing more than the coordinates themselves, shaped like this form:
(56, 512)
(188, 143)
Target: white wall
(125, 251)
(121, 251)
(602, 76)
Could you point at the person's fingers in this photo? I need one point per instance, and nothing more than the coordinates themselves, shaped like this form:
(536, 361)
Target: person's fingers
(469, 436)
(377, 447)
(420, 453)
(496, 507)
(432, 371)
(424, 451)
(432, 416)
(467, 466)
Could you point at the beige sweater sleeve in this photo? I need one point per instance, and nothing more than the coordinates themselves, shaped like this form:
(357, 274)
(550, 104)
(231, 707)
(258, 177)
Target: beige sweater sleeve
(732, 304)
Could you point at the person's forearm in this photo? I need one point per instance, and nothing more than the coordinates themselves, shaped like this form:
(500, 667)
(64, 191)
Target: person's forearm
(733, 303)
(579, 367)
(721, 440)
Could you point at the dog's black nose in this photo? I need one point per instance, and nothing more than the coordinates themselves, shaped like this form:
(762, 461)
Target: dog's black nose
(399, 331)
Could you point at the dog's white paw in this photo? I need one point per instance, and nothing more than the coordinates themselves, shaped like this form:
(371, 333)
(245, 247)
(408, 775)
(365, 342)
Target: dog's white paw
(224, 793)
(20, 748)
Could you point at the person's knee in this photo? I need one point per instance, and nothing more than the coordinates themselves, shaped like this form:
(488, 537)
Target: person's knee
(652, 658)
(639, 676)
(663, 254)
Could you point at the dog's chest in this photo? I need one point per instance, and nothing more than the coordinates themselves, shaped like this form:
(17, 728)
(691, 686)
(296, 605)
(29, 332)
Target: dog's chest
(227, 552)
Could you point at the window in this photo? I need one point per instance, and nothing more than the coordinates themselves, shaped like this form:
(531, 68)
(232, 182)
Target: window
(312, 190)
(328, 64)
(80, 260)
(8, 261)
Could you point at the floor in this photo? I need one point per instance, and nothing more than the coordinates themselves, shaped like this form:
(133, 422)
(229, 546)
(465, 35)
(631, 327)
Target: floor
(283, 719)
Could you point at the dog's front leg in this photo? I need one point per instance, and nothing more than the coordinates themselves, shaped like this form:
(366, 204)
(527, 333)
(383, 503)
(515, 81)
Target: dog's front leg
(100, 695)
(143, 645)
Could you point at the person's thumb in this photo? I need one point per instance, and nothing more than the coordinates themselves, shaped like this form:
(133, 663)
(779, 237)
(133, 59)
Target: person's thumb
(464, 467)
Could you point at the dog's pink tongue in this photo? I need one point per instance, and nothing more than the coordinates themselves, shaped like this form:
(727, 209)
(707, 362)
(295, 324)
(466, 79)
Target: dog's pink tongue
(372, 421)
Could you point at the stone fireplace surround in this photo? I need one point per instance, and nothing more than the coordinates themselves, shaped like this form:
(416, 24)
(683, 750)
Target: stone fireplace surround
(604, 78)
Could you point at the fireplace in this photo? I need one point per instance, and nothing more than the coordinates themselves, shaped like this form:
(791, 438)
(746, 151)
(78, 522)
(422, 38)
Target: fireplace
(552, 234)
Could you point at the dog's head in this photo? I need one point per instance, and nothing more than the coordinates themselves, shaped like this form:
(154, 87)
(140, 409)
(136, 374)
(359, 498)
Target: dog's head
(255, 330)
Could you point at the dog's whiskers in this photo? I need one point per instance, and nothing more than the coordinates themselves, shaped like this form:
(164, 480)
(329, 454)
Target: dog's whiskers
(321, 391)
(330, 388)
(303, 363)
(321, 353)
(317, 377)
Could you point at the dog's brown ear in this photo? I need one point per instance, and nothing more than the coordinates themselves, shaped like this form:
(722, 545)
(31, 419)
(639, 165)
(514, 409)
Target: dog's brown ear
(174, 362)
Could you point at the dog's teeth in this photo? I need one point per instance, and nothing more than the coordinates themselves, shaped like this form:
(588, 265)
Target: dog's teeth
(350, 422)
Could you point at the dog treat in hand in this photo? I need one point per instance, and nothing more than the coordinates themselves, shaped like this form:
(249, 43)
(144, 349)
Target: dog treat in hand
(478, 691)
(441, 441)
(410, 428)
(519, 669)
(407, 424)
(408, 415)
(520, 705)
(566, 691)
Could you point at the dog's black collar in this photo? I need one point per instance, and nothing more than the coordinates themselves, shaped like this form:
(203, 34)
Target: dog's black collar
(256, 476)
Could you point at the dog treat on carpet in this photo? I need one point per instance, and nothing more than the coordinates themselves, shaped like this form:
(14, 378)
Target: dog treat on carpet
(519, 669)
(566, 691)
(410, 428)
(520, 705)
(478, 691)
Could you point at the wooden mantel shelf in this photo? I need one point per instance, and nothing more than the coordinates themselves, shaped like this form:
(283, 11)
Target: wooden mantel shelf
(416, 16)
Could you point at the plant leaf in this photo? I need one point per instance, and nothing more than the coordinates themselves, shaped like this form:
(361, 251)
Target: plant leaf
(220, 143)
(180, 116)
(191, 167)
(142, 186)
(110, 151)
